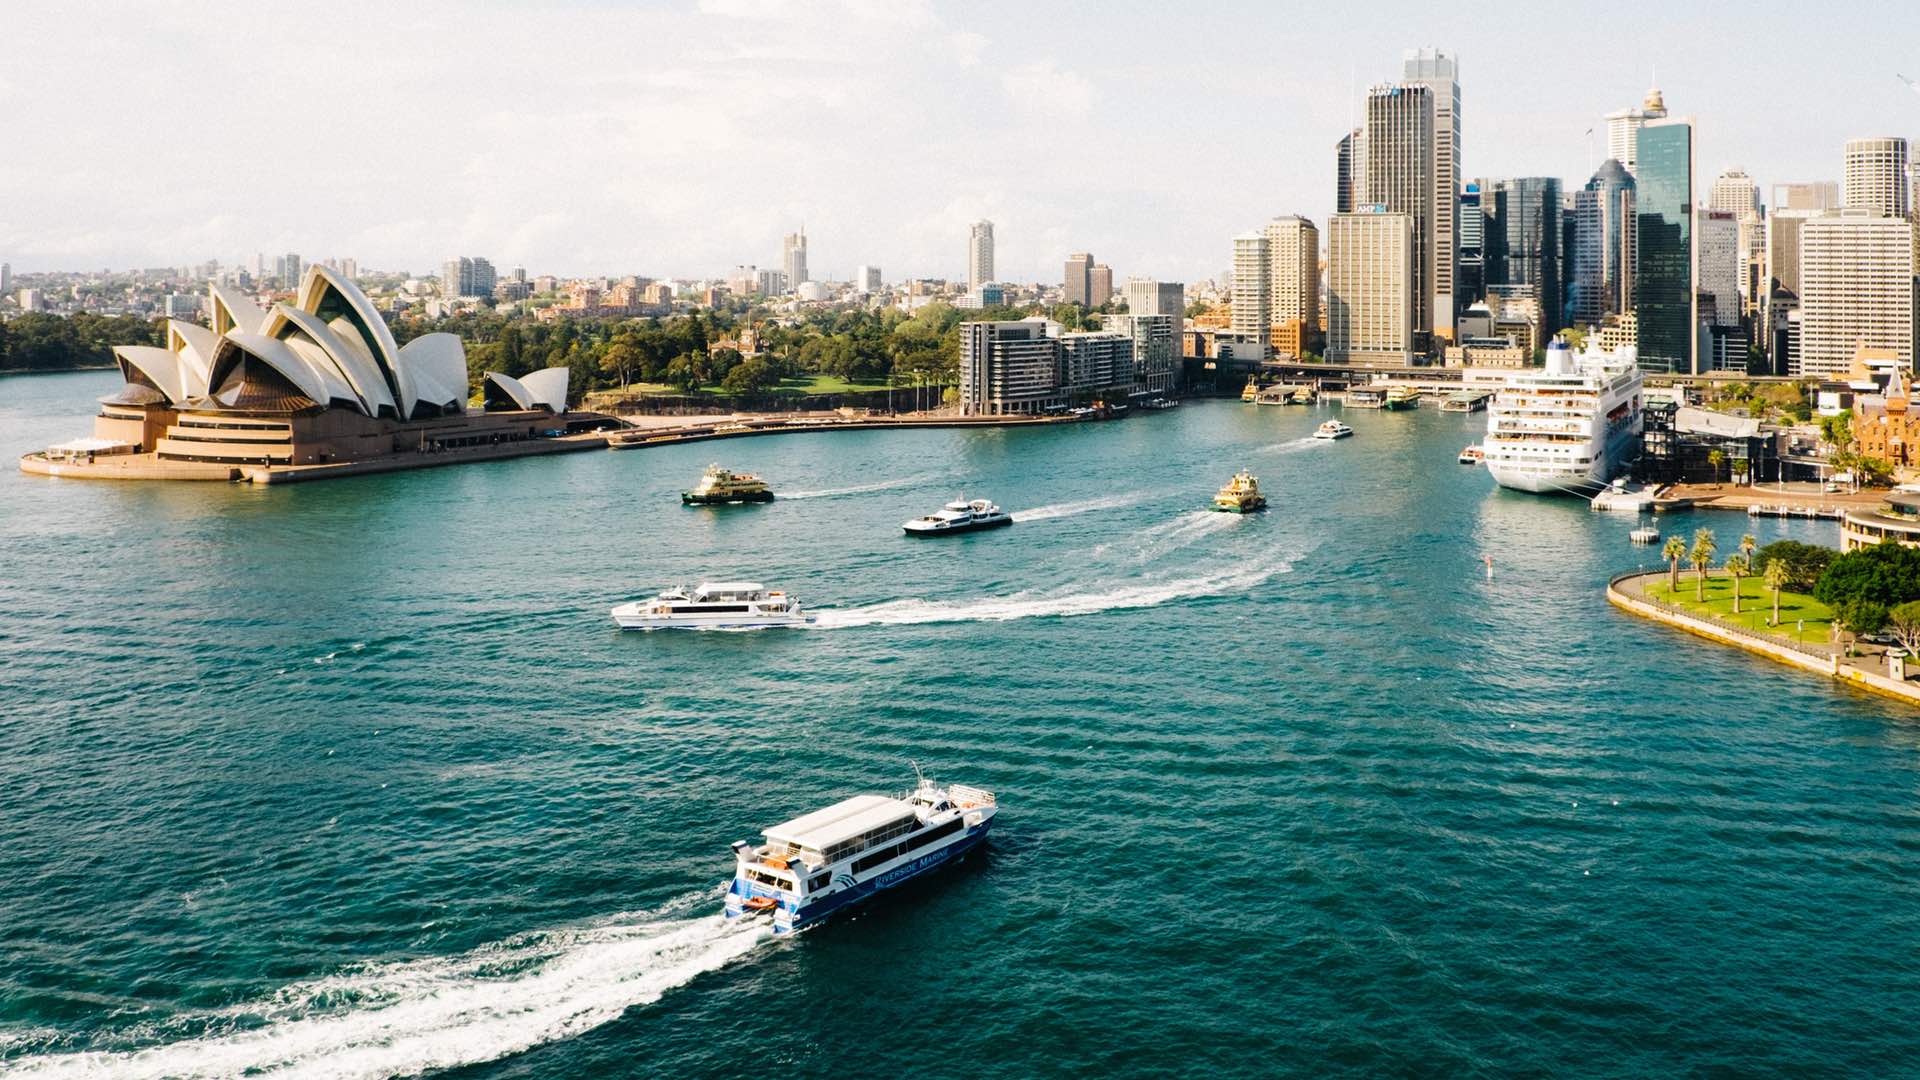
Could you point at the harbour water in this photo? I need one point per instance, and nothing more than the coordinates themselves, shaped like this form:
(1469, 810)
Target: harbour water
(358, 779)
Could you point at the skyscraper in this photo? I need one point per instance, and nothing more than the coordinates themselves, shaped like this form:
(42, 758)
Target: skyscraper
(1439, 72)
(1720, 271)
(1078, 282)
(979, 254)
(1370, 287)
(867, 279)
(1400, 162)
(1099, 284)
(6, 278)
(1876, 176)
(1470, 276)
(1350, 182)
(1623, 129)
(1807, 195)
(794, 258)
(1146, 296)
(1856, 289)
(1520, 222)
(1599, 266)
(1665, 253)
(1736, 193)
(1293, 246)
(1252, 286)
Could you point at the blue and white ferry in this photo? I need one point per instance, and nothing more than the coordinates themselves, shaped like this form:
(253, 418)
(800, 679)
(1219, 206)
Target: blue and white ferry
(818, 863)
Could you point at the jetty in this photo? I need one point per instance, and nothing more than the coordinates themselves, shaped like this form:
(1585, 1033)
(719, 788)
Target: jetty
(1466, 401)
(743, 427)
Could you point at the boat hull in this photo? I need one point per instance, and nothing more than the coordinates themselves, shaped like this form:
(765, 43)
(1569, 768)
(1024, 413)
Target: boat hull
(688, 498)
(633, 621)
(787, 920)
(946, 530)
(1250, 507)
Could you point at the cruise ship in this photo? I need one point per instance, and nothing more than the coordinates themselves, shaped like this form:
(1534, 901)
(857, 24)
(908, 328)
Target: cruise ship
(819, 863)
(1568, 426)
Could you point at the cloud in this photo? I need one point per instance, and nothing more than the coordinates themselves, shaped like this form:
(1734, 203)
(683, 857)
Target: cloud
(1045, 90)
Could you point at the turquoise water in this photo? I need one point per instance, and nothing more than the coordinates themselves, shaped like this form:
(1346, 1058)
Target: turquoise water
(357, 778)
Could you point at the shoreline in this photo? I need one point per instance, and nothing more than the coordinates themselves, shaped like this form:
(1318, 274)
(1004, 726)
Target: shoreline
(1626, 592)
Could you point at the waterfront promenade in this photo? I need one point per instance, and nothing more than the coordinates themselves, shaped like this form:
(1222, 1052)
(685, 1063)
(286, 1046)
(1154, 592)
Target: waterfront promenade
(1630, 592)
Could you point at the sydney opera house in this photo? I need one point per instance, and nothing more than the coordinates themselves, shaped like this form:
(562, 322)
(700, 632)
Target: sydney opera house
(317, 381)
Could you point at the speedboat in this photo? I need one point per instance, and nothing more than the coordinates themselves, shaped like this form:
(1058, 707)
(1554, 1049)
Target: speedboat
(713, 605)
(718, 486)
(819, 863)
(1472, 455)
(959, 516)
(1241, 495)
(1332, 429)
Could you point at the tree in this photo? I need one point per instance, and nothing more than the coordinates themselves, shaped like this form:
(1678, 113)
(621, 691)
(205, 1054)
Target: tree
(1837, 430)
(1747, 546)
(1885, 574)
(1802, 563)
(1716, 458)
(1673, 552)
(1776, 576)
(622, 359)
(1737, 568)
(1859, 618)
(1702, 557)
(1903, 620)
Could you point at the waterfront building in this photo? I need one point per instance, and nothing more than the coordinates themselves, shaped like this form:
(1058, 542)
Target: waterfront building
(1876, 176)
(1029, 366)
(1807, 195)
(316, 380)
(1857, 289)
(1885, 424)
(1721, 266)
(979, 254)
(1678, 444)
(1664, 296)
(1400, 163)
(1623, 129)
(1252, 285)
(1600, 262)
(793, 258)
(1897, 518)
(1521, 240)
(1293, 280)
(1078, 280)
(1439, 72)
(1371, 287)
(1156, 347)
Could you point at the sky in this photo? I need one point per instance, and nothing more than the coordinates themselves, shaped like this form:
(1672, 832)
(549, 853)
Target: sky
(681, 138)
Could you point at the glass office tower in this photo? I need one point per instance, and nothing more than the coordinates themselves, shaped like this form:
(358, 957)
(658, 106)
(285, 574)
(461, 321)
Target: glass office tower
(1663, 284)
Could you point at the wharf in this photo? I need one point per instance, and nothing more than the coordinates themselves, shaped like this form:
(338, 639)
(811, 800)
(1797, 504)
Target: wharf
(744, 427)
(1466, 401)
(1796, 500)
(153, 467)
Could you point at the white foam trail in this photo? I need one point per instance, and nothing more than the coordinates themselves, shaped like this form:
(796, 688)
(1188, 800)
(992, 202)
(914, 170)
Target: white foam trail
(861, 489)
(401, 1019)
(1185, 529)
(1023, 605)
(1293, 446)
(1068, 509)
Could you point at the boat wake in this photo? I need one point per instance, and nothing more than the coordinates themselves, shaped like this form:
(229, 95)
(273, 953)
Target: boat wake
(399, 1019)
(1293, 446)
(1026, 605)
(1069, 509)
(860, 489)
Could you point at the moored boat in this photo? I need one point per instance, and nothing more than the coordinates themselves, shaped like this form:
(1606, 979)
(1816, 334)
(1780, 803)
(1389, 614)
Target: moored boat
(718, 486)
(1252, 391)
(1332, 429)
(819, 863)
(959, 516)
(1401, 397)
(1241, 495)
(714, 605)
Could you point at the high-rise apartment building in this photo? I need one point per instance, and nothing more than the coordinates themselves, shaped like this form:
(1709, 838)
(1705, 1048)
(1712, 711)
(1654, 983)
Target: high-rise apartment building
(1721, 268)
(288, 268)
(1293, 276)
(1156, 347)
(1623, 129)
(979, 254)
(1876, 176)
(1856, 290)
(1599, 264)
(1350, 180)
(1146, 296)
(794, 258)
(1099, 284)
(1030, 366)
(1400, 161)
(771, 282)
(1664, 297)
(1807, 195)
(1079, 279)
(467, 276)
(867, 279)
(1439, 72)
(1252, 286)
(1371, 287)
(1520, 222)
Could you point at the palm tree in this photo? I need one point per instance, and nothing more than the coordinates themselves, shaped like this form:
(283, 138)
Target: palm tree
(1776, 576)
(1737, 568)
(1673, 552)
(1701, 556)
(1715, 458)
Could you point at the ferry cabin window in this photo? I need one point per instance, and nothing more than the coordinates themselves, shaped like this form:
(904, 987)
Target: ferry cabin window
(709, 609)
(767, 879)
(893, 851)
(818, 881)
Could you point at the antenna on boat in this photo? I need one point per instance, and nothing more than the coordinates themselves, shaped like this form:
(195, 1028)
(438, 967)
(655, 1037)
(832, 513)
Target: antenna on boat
(920, 775)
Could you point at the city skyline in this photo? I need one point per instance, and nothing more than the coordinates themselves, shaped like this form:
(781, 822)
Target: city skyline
(600, 157)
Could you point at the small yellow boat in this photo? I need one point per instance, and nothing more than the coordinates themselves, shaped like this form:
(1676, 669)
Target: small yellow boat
(1252, 392)
(1241, 495)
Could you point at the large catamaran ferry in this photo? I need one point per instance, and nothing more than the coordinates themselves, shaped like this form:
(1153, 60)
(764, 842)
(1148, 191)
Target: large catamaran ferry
(818, 863)
(1568, 426)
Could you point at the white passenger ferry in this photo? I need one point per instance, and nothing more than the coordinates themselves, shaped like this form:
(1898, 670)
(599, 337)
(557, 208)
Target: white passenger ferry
(714, 605)
(1568, 426)
(821, 862)
(959, 516)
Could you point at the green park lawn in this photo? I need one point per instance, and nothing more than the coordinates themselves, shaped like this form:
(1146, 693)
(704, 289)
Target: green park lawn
(1801, 616)
(815, 384)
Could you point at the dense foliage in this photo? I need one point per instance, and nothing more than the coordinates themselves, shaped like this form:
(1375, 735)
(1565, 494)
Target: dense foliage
(1885, 574)
(40, 342)
(1803, 563)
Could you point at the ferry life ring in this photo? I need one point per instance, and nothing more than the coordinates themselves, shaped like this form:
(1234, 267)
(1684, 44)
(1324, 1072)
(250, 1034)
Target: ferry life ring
(777, 864)
(760, 903)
